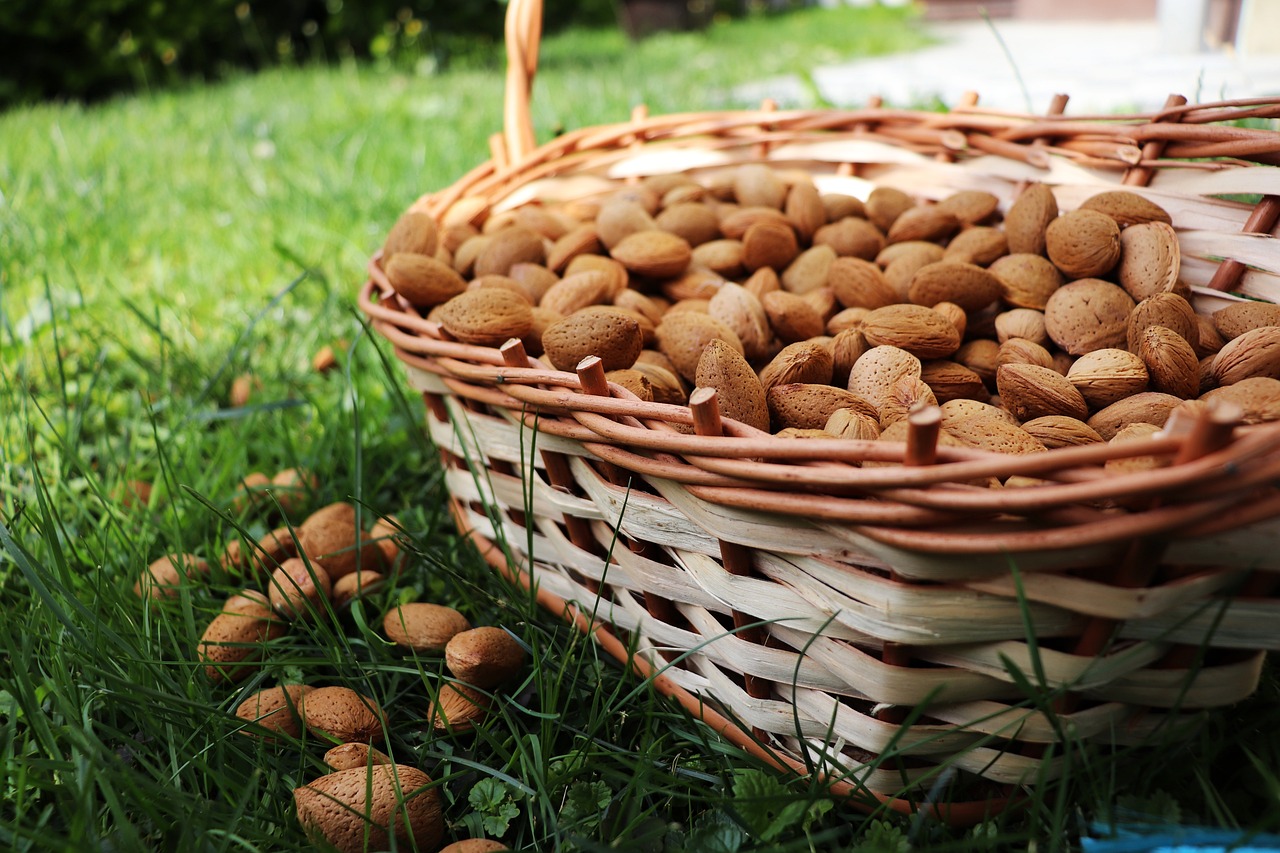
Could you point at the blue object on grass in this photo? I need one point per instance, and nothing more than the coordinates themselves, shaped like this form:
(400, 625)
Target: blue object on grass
(1163, 838)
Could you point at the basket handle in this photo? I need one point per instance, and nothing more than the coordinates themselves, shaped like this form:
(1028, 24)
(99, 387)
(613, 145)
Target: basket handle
(523, 36)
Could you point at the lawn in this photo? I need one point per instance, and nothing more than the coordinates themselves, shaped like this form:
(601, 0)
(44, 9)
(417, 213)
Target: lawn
(153, 249)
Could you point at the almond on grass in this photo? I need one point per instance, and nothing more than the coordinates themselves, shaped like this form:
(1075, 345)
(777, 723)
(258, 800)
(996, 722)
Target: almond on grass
(920, 331)
(1107, 376)
(457, 708)
(487, 317)
(1026, 280)
(484, 657)
(274, 709)
(165, 576)
(803, 361)
(298, 589)
(598, 330)
(808, 406)
(422, 626)
(740, 392)
(362, 808)
(233, 642)
(1029, 391)
(346, 756)
(358, 584)
(1171, 362)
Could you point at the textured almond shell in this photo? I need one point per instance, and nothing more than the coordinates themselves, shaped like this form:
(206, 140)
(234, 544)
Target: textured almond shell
(362, 808)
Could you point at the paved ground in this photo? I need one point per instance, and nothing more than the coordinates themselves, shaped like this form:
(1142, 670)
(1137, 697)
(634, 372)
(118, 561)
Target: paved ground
(1104, 67)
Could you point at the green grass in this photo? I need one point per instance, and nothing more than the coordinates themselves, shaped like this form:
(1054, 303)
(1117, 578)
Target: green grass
(153, 248)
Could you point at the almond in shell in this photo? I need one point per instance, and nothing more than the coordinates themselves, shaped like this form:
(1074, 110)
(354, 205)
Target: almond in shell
(920, 331)
(803, 361)
(683, 335)
(488, 317)
(1108, 376)
(600, 330)
(1171, 362)
(808, 406)
(1029, 391)
(1150, 259)
(741, 394)
(1254, 353)
(1028, 218)
(1088, 314)
(1146, 407)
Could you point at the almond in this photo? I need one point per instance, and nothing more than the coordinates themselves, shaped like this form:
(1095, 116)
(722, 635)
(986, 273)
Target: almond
(1023, 351)
(1054, 431)
(1163, 309)
(576, 291)
(903, 267)
(346, 756)
(1147, 407)
(331, 539)
(809, 270)
(969, 286)
(1026, 281)
(951, 381)
(1150, 259)
(484, 657)
(769, 244)
(1088, 314)
(274, 709)
(683, 335)
(415, 233)
(507, 247)
(955, 411)
(235, 639)
(165, 576)
(423, 280)
(886, 204)
(902, 398)
(735, 221)
(487, 317)
(804, 210)
(422, 626)
(920, 331)
(1208, 341)
(1136, 433)
(955, 315)
(851, 238)
(694, 223)
(358, 584)
(1107, 376)
(1259, 398)
(923, 223)
(847, 347)
(653, 254)
(598, 330)
(981, 245)
(1083, 243)
(858, 283)
(298, 589)
(725, 258)
(664, 384)
(853, 424)
(615, 273)
(1029, 391)
(457, 708)
(970, 206)
(803, 362)
(1234, 320)
(620, 218)
(982, 356)
(839, 205)
(791, 317)
(362, 808)
(1254, 353)
(1023, 323)
(879, 369)
(762, 281)
(1028, 219)
(991, 433)
(741, 395)
(755, 184)
(806, 406)
(1127, 208)
(1171, 362)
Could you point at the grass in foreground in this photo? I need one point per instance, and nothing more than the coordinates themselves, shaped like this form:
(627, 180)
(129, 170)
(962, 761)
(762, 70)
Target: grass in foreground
(152, 249)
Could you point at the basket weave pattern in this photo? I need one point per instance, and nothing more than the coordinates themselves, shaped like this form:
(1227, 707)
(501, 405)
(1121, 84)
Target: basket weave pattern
(841, 613)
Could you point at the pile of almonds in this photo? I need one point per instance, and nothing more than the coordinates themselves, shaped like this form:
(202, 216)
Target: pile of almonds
(819, 314)
(318, 567)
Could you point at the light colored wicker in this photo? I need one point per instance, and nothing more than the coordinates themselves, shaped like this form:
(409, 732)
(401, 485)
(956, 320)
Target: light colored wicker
(877, 624)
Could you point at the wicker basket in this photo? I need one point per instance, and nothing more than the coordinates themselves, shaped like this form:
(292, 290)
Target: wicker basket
(877, 624)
